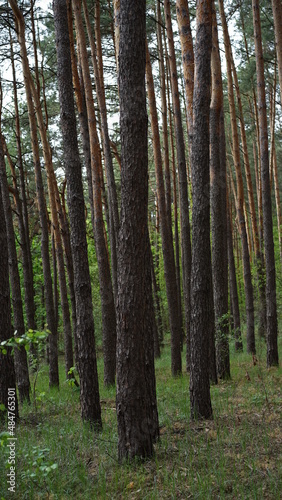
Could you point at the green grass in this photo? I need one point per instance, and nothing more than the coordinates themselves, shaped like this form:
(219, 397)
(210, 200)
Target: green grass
(236, 455)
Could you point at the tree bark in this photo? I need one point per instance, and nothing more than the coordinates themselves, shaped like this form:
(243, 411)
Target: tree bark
(134, 397)
(182, 177)
(186, 40)
(7, 369)
(233, 285)
(166, 231)
(277, 18)
(50, 312)
(218, 210)
(106, 289)
(89, 388)
(240, 194)
(271, 305)
(202, 317)
(23, 213)
(21, 365)
(97, 62)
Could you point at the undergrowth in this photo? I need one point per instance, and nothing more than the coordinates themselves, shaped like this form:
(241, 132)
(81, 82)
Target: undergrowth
(236, 455)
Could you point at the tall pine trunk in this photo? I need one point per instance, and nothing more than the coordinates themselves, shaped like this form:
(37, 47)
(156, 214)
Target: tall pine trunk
(249, 296)
(50, 311)
(166, 231)
(106, 289)
(89, 388)
(134, 395)
(271, 306)
(183, 187)
(218, 210)
(202, 317)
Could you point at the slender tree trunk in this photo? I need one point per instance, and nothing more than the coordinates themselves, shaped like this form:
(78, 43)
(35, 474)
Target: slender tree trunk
(55, 206)
(240, 195)
(167, 242)
(176, 232)
(69, 263)
(50, 313)
(202, 317)
(186, 40)
(233, 286)
(160, 332)
(277, 18)
(7, 369)
(89, 388)
(165, 135)
(23, 214)
(21, 364)
(218, 210)
(255, 231)
(134, 391)
(106, 289)
(271, 306)
(97, 62)
(182, 174)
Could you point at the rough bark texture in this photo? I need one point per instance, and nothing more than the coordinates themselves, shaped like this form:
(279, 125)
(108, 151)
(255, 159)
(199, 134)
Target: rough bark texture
(182, 176)
(202, 317)
(89, 389)
(134, 397)
(7, 369)
(218, 210)
(21, 364)
(271, 305)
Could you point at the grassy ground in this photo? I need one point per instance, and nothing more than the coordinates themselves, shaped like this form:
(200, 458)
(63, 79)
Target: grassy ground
(237, 455)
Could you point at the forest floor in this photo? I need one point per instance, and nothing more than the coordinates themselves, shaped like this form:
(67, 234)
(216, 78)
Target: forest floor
(236, 455)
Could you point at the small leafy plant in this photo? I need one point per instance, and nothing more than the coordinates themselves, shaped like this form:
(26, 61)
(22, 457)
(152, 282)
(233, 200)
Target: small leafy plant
(38, 467)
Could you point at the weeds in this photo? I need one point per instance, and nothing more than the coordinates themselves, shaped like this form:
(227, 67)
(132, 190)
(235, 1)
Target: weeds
(237, 455)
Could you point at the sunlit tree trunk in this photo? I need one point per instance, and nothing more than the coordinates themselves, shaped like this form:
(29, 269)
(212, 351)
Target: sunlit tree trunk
(271, 305)
(183, 20)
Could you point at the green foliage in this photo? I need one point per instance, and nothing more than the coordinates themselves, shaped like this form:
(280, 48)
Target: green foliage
(27, 339)
(38, 467)
(223, 458)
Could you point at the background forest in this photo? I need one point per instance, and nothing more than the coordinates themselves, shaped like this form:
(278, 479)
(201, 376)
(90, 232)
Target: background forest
(141, 248)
